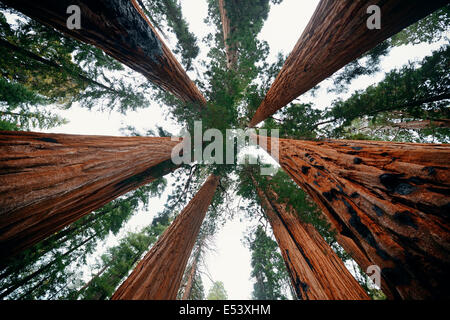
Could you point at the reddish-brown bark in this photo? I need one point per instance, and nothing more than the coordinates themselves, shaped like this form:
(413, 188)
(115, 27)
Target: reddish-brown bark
(190, 280)
(121, 29)
(48, 181)
(390, 198)
(230, 48)
(158, 275)
(316, 272)
(422, 124)
(343, 237)
(336, 35)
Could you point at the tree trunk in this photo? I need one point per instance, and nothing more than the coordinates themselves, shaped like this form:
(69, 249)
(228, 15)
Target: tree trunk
(121, 29)
(90, 281)
(158, 275)
(390, 198)
(336, 35)
(353, 248)
(190, 280)
(316, 272)
(230, 48)
(48, 181)
(422, 124)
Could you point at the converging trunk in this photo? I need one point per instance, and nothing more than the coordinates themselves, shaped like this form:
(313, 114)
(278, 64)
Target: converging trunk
(158, 275)
(390, 198)
(336, 35)
(316, 271)
(230, 48)
(190, 280)
(121, 29)
(48, 181)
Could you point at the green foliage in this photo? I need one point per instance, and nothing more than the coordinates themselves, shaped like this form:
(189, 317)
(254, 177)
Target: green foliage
(268, 267)
(299, 121)
(117, 262)
(68, 249)
(420, 93)
(197, 291)
(40, 66)
(430, 29)
(368, 64)
(217, 292)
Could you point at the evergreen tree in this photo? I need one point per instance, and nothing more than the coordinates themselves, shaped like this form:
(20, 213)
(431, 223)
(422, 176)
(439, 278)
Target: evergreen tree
(268, 268)
(217, 292)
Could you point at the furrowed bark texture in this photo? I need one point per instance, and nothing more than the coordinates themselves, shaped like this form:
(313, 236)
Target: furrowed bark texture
(48, 181)
(391, 199)
(190, 280)
(121, 29)
(423, 124)
(316, 272)
(230, 49)
(158, 275)
(336, 35)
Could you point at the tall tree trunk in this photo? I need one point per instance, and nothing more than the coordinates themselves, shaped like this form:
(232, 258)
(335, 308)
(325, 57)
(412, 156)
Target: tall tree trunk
(390, 198)
(422, 124)
(336, 35)
(121, 29)
(346, 241)
(158, 275)
(316, 272)
(230, 48)
(48, 181)
(80, 291)
(190, 280)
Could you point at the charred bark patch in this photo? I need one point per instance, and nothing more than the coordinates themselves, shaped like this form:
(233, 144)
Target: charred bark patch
(141, 35)
(404, 189)
(405, 218)
(305, 257)
(390, 181)
(395, 184)
(445, 192)
(379, 212)
(329, 195)
(46, 139)
(397, 276)
(305, 170)
(430, 170)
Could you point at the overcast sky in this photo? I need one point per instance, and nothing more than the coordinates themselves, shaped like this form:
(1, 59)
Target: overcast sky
(230, 262)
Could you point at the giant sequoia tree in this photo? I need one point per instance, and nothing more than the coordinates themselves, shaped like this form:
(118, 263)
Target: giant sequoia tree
(391, 199)
(384, 203)
(159, 273)
(82, 173)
